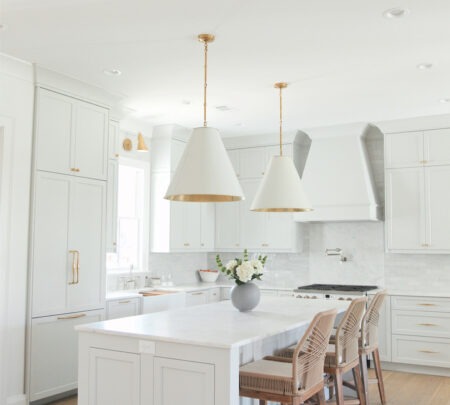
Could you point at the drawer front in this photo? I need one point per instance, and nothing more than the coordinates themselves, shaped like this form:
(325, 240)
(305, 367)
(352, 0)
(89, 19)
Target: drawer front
(421, 304)
(122, 308)
(435, 324)
(423, 351)
(214, 295)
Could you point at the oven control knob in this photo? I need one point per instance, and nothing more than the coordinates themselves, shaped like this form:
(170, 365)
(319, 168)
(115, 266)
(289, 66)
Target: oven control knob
(349, 299)
(341, 299)
(314, 297)
(306, 296)
(298, 296)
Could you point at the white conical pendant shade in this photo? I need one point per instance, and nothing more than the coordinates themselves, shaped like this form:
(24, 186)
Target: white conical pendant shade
(281, 188)
(205, 172)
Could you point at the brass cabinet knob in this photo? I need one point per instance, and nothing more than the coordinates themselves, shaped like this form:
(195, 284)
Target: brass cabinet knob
(186, 244)
(202, 244)
(237, 244)
(117, 155)
(264, 244)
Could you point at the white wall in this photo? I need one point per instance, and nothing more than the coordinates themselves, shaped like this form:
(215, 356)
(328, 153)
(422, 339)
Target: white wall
(16, 121)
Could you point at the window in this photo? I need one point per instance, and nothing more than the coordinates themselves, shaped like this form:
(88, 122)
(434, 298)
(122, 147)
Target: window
(132, 217)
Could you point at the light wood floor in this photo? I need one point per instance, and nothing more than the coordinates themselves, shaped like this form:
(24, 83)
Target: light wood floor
(401, 389)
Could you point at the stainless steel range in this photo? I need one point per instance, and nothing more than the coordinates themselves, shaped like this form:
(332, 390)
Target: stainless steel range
(333, 291)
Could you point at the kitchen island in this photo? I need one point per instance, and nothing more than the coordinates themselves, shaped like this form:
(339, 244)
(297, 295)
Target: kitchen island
(188, 356)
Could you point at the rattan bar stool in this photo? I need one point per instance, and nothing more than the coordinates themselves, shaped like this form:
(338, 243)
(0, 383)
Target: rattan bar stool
(295, 380)
(342, 353)
(368, 344)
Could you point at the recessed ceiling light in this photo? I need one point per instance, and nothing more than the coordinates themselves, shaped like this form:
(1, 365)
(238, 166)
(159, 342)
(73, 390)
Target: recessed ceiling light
(396, 12)
(112, 72)
(424, 66)
(223, 108)
(445, 100)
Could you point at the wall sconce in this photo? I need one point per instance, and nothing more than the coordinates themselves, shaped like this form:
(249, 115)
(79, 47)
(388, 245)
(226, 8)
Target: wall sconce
(336, 252)
(127, 144)
(142, 147)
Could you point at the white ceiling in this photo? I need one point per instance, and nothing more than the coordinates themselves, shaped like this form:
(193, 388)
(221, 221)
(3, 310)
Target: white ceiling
(343, 60)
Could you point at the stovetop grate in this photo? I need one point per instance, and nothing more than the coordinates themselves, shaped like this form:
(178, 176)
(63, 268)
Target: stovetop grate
(337, 287)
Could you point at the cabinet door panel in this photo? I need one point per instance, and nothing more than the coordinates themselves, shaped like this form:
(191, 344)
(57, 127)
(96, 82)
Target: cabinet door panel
(208, 212)
(113, 140)
(437, 189)
(185, 225)
(405, 222)
(51, 262)
(114, 377)
(228, 225)
(252, 163)
(437, 146)
(91, 140)
(280, 230)
(54, 353)
(404, 149)
(194, 382)
(196, 298)
(54, 121)
(111, 206)
(87, 208)
(253, 224)
(234, 158)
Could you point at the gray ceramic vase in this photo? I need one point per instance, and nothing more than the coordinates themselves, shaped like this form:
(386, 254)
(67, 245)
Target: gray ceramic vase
(245, 297)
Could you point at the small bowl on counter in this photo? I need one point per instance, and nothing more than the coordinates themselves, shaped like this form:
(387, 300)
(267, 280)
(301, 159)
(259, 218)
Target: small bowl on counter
(209, 276)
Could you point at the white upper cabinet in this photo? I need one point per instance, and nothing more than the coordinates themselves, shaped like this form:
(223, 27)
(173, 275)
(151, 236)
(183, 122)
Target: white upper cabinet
(67, 244)
(437, 194)
(405, 202)
(71, 136)
(404, 149)
(228, 235)
(253, 224)
(111, 205)
(54, 128)
(418, 196)
(176, 226)
(237, 227)
(252, 163)
(113, 140)
(437, 147)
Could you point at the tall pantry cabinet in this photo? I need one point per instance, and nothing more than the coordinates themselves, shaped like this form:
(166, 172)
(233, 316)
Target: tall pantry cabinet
(68, 227)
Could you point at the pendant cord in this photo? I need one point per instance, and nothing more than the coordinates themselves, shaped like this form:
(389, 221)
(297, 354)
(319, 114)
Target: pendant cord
(281, 122)
(205, 124)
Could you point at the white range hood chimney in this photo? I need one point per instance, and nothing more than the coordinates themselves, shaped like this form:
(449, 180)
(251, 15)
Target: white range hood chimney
(337, 176)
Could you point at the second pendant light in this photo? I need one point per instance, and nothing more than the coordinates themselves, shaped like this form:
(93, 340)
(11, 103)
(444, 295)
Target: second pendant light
(281, 188)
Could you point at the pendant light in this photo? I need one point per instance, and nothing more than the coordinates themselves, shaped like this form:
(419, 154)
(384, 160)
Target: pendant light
(205, 172)
(281, 188)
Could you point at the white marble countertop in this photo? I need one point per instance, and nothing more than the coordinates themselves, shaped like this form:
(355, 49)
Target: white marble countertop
(116, 295)
(218, 325)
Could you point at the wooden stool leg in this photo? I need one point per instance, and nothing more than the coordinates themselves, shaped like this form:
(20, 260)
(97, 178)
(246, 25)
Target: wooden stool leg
(376, 358)
(339, 388)
(359, 385)
(365, 376)
(321, 397)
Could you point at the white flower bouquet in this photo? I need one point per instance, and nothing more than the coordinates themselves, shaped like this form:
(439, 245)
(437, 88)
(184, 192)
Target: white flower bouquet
(243, 270)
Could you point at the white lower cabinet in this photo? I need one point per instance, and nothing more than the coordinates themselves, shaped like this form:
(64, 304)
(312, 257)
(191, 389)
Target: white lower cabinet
(163, 302)
(196, 298)
(54, 353)
(194, 381)
(111, 205)
(114, 377)
(122, 308)
(214, 295)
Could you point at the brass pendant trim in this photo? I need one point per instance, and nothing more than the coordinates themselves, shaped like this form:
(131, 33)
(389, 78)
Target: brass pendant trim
(203, 198)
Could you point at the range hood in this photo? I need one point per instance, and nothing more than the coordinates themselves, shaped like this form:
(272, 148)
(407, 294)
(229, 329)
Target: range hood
(337, 175)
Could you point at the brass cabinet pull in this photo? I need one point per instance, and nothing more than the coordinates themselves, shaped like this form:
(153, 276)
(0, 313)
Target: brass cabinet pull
(427, 305)
(75, 170)
(427, 351)
(197, 293)
(214, 294)
(117, 155)
(71, 316)
(77, 254)
(262, 173)
(265, 244)
(427, 324)
(186, 244)
(124, 302)
(202, 244)
(237, 244)
(114, 243)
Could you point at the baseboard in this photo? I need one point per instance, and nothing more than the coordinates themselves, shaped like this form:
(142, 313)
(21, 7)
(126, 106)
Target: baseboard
(416, 369)
(17, 400)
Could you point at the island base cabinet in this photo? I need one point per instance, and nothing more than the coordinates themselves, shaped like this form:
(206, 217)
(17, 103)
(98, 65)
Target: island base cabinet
(114, 377)
(54, 353)
(194, 382)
